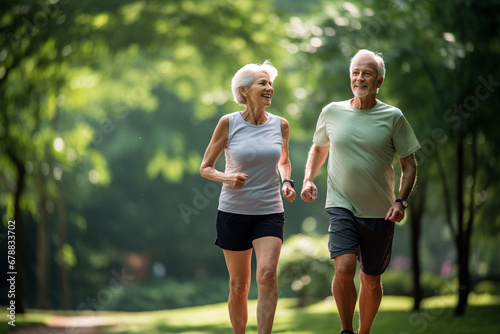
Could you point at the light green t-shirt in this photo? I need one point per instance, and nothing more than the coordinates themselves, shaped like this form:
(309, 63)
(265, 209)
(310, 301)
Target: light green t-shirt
(362, 147)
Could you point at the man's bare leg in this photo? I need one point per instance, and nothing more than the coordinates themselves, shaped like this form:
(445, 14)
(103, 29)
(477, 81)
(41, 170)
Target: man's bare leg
(343, 288)
(370, 296)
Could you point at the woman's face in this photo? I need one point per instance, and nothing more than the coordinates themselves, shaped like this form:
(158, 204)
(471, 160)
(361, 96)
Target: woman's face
(260, 93)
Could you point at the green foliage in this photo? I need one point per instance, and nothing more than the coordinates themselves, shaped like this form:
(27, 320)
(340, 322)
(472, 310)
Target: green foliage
(305, 267)
(101, 99)
(399, 283)
(444, 78)
(168, 294)
(318, 318)
(306, 270)
(487, 287)
(108, 106)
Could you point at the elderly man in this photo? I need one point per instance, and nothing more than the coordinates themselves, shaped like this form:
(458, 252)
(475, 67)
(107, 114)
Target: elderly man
(361, 136)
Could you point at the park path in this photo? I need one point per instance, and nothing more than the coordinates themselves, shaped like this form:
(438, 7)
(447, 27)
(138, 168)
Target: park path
(68, 325)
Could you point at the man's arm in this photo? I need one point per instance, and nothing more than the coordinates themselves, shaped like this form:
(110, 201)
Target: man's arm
(408, 176)
(315, 159)
(396, 212)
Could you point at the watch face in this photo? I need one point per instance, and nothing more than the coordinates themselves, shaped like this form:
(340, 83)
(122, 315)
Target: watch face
(403, 202)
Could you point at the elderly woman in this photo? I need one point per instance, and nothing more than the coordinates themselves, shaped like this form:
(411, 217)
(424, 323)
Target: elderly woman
(250, 214)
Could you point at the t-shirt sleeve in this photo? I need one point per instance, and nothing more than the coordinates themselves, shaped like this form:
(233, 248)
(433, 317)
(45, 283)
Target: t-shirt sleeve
(405, 141)
(320, 137)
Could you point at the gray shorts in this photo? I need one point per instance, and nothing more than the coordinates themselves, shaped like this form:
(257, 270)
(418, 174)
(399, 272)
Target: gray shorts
(369, 238)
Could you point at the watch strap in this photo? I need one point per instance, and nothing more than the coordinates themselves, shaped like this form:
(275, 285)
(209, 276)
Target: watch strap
(289, 181)
(403, 202)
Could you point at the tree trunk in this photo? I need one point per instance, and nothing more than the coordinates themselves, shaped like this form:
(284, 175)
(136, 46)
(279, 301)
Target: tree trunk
(466, 234)
(463, 278)
(416, 212)
(20, 298)
(63, 272)
(415, 261)
(43, 252)
(461, 240)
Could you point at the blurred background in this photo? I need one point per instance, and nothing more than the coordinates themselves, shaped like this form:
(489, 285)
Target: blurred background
(107, 107)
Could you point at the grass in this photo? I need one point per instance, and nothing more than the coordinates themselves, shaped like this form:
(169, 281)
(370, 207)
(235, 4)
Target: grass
(483, 316)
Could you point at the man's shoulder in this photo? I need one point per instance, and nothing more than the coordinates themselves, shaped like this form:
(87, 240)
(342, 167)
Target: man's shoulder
(336, 105)
(382, 106)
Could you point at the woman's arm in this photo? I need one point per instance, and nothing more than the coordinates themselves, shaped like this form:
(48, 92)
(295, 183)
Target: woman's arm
(214, 150)
(284, 165)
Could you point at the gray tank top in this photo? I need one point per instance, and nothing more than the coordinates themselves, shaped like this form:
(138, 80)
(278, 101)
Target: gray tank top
(254, 150)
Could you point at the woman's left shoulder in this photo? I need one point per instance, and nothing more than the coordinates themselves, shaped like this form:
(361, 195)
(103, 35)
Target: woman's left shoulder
(283, 122)
(285, 127)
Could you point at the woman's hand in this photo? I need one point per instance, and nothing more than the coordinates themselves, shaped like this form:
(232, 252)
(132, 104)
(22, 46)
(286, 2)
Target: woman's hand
(236, 180)
(288, 192)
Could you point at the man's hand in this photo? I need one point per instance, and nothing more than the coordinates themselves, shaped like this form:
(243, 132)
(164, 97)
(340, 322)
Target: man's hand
(309, 192)
(396, 213)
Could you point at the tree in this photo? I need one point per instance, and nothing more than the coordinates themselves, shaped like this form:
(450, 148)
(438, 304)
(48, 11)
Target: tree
(466, 56)
(427, 51)
(52, 133)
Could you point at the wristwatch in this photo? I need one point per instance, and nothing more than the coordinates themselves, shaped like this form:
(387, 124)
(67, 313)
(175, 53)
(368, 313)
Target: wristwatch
(289, 181)
(403, 202)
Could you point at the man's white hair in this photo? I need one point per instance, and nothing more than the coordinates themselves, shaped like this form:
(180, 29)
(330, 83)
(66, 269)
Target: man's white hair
(378, 58)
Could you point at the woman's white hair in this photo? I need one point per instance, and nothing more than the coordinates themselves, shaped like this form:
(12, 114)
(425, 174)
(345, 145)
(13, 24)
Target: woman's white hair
(378, 58)
(245, 77)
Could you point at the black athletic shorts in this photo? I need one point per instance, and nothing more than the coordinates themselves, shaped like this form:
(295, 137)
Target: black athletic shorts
(236, 232)
(369, 238)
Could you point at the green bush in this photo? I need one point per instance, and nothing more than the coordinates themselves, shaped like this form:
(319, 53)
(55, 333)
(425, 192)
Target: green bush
(487, 287)
(397, 283)
(168, 294)
(400, 283)
(305, 269)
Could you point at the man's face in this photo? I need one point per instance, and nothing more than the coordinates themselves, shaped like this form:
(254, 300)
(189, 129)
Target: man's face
(364, 77)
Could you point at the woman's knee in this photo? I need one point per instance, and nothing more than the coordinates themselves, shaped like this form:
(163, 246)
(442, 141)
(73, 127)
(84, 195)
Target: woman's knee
(240, 286)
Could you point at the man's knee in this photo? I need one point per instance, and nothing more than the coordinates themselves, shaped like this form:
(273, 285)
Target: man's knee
(345, 266)
(371, 282)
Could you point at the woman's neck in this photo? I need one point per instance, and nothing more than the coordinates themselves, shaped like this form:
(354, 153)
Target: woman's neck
(254, 116)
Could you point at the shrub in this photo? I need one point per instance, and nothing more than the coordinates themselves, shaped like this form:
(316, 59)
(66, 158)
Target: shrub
(305, 269)
(168, 294)
(487, 287)
(397, 283)
(400, 283)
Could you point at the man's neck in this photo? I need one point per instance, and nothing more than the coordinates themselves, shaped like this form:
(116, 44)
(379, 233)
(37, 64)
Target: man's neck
(365, 102)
